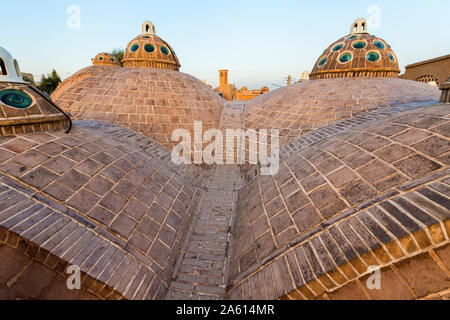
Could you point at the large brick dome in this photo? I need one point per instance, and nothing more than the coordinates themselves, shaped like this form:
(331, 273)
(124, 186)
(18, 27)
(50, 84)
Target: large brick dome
(152, 101)
(358, 54)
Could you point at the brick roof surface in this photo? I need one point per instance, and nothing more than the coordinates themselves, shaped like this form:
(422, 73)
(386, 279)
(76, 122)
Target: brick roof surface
(303, 107)
(363, 180)
(151, 101)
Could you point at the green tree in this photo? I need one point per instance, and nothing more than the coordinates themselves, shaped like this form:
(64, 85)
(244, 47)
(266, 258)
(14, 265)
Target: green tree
(118, 53)
(50, 82)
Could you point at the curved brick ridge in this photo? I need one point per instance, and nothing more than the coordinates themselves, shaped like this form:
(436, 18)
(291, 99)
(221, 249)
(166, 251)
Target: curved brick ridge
(300, 108)
(118, 185)
(151, 101)
(322, 180)
(403, 227)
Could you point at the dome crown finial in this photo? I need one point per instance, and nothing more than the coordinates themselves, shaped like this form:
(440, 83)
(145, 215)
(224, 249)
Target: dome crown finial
(359, 26)
(148, 28)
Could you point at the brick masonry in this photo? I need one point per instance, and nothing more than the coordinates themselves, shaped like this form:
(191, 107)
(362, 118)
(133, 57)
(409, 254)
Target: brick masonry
(151, 101)
(202, 271)
(110, 200)
(303, 107)
(101, 195)
(385, 177)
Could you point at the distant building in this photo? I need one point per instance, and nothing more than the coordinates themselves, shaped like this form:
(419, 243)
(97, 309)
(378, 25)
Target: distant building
(229, 92)
(434, 71)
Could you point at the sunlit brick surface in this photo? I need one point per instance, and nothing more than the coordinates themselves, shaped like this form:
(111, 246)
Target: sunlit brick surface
(300, 108)
(100, 195)
(351, 187)
(78, 76)
(152, 101)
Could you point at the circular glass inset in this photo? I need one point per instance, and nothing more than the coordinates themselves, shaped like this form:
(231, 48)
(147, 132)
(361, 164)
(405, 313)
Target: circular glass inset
(165, 51)
(149, 48)
(351, 37)
(359, 45)
(134, 47)
(391, 57)
(322, 62)
(379, 44)
(106, 54)
(15, 98)
(373, 56)
(112, 59)
(337, 47)
(100, 58)
(345, 57)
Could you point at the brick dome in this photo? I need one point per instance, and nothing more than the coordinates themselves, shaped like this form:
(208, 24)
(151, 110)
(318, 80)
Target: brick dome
(300, 108)
(150, 51)
(358, 54)
(368, 191)
(152, 101)
(105, 58)
(104, 198)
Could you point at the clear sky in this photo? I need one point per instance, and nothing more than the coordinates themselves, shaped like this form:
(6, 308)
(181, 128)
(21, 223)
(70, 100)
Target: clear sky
(259, 41)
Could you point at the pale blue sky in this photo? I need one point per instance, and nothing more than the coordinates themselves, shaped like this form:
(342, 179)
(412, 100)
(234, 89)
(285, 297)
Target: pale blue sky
(260, 42)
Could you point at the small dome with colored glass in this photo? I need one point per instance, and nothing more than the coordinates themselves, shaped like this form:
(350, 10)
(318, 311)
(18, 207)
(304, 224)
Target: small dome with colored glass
(105, 58)
(150, 51)
(358, 54)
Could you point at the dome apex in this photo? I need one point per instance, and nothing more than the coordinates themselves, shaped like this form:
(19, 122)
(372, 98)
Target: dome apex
(148, 28)
(359, 26)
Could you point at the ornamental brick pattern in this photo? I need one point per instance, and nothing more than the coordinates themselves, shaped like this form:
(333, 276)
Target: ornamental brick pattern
(102, 194)
(371, 195)
(307, 106)
(151, 101)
